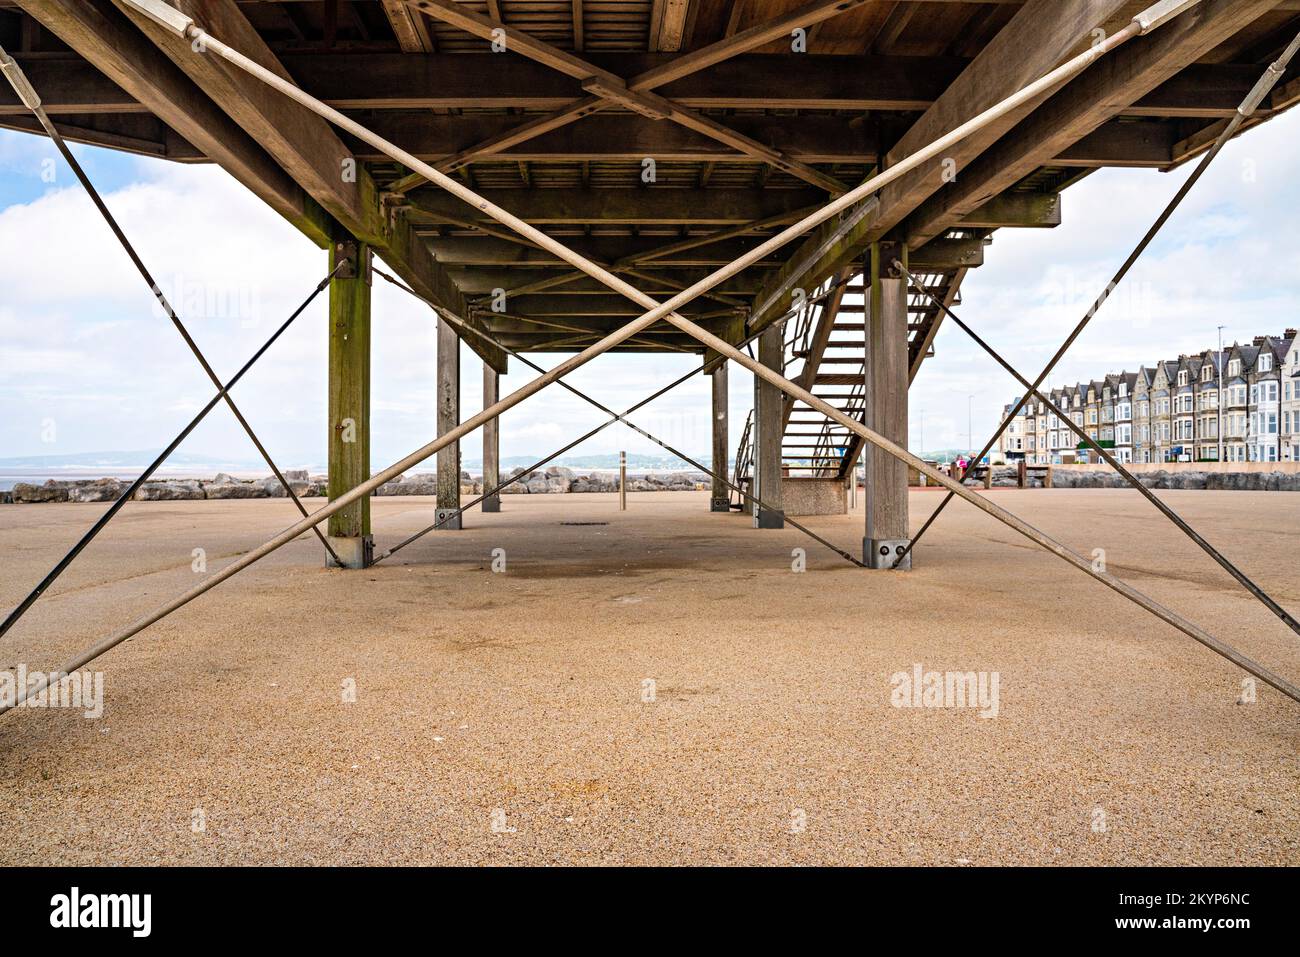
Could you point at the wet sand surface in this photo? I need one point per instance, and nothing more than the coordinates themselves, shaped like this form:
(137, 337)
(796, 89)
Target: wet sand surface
(663, 688)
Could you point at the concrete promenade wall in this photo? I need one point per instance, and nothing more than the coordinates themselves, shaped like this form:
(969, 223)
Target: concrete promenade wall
(1292, 468)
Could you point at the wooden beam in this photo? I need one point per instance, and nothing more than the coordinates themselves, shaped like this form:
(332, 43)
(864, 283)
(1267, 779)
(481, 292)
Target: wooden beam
(658, 205)
(409, 27)
(482, 280)
(755, 80)
(476, 251)
(1134, 143)
(1102, 92)
(620, 136)
(137, 133)
(593, 304)
(612, 88)
(1041, 35)
(612, 137)
(1028, 210)
(305, 145)
(399, 81)
(668, 25)
(100, 34)
(578, 25)
(943, 255)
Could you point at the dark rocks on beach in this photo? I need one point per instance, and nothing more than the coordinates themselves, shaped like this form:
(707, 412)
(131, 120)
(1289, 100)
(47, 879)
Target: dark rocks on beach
(169, 491)
(233, 488)
(100, 490)
(51, 491)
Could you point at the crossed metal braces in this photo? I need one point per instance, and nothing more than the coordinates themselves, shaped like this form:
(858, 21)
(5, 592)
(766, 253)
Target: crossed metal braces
(1145, 22)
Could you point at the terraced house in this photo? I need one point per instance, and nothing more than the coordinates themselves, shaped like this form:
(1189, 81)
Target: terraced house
(1289, 440)
(1207, 407)
(1238, 405)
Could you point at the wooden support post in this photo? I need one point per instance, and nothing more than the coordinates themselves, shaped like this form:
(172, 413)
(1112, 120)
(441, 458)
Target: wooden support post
(491, 440)
(448, 508)
(853, 482)
(988, 476)
(1047, 477)
(1022, 474)
(349, 398)
(720, 500)
(622, 481)
(887, 531)
(768, 401)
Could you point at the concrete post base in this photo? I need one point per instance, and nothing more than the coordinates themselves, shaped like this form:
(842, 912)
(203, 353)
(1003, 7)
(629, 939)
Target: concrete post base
(452, 517)
(492, 503)
(719, 505)
(769, 518)
(881, 553)
(353, 552)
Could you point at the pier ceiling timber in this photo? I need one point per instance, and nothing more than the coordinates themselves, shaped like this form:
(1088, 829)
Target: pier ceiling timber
(663, 138)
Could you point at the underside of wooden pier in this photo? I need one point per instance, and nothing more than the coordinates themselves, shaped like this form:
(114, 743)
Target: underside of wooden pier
(635, 130)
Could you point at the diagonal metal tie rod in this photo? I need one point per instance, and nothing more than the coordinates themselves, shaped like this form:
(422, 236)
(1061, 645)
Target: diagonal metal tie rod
(21, 608)
(1261, 88)
(614, 418)
(1142, 23)
(28, 95)
(447, 316)
(1109, 459)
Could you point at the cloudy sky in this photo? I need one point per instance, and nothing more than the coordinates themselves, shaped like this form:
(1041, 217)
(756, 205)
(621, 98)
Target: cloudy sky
(88, 363)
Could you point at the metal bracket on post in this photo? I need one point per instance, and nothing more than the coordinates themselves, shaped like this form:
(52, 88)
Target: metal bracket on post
(352, 264)
(881, 553)
(346, 257)
(356, 552)
(448, 519)
(890, 255)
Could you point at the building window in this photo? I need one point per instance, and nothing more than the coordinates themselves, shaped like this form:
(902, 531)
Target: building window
(1265, 362)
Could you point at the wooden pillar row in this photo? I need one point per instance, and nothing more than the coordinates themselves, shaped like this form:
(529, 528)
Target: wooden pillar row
(349, 398)
(447, 511)
(887, 531)
(720, 499)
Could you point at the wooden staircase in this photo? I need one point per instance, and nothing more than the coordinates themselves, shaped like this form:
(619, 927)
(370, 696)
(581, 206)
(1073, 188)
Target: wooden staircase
(825, 352)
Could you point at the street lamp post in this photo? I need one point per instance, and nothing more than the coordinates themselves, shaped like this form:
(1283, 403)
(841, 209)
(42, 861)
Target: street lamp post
(970, 432)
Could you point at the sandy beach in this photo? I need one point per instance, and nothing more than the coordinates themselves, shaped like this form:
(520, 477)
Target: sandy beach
(654, 686)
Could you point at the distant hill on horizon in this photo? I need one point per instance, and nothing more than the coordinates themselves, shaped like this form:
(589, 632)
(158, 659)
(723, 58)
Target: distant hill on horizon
(139, 458)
